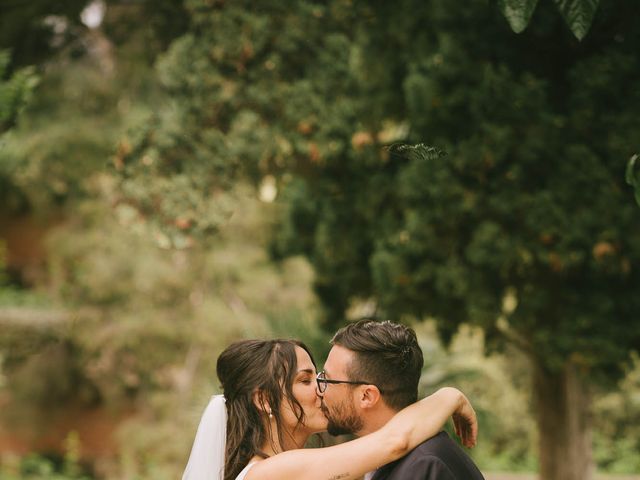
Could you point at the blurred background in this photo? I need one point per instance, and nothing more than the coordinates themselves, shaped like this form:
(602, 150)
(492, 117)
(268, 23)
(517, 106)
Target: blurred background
(179, 174)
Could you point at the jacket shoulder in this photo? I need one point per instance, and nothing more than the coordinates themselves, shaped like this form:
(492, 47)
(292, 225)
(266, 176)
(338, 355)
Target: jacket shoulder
(439, 458)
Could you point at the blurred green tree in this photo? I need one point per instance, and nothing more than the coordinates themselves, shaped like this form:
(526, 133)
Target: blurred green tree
(525, 229)
(95, 79)
(38, 30)
(248, 92)
(90, 75)
(15, 91)
(29, 28)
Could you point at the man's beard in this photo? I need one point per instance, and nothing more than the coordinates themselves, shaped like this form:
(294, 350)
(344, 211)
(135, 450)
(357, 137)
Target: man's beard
(342, 419)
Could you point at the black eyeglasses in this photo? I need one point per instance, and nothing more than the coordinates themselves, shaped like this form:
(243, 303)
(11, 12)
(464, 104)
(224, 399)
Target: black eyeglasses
(322, 382)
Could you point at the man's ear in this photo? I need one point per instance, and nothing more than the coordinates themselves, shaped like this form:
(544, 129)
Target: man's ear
(261, 403)
(369, 396)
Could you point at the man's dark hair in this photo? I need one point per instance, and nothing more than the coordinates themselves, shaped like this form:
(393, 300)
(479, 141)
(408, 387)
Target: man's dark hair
(387, 355)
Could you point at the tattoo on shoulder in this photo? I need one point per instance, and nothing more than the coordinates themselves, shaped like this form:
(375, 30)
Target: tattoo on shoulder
(339, 476)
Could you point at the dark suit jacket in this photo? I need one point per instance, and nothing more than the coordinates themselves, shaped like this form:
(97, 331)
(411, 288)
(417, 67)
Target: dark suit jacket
(439, 458)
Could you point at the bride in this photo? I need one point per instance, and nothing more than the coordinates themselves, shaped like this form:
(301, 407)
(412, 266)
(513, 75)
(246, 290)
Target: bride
(270, 407)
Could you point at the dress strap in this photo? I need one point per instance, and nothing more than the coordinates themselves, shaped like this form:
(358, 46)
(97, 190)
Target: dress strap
(244, 471)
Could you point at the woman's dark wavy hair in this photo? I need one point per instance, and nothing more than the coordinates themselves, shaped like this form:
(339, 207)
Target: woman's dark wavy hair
(268, 366)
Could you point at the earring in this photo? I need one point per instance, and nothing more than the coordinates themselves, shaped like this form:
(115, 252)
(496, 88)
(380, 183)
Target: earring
(270, 415)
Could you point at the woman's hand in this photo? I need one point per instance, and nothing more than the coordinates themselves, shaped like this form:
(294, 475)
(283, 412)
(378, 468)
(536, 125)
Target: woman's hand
(466, 422)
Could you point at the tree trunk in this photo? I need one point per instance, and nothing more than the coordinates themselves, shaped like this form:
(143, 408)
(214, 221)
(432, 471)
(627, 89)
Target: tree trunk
(564, 423)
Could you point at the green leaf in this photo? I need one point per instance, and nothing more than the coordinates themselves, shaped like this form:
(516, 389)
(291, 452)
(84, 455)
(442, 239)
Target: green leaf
(578, 14)
(631, 180)
(517, 12)
(419, 151)
(633, 177)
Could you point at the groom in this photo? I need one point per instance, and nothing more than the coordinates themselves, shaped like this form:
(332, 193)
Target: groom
(372, 372)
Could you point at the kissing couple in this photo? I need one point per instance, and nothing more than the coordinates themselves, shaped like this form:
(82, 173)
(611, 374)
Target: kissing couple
(274, 400)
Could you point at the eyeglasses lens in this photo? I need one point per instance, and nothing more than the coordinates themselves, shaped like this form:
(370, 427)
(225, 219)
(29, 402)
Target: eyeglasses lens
(322, 385)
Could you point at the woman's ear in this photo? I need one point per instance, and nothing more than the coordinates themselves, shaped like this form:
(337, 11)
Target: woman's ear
(261, 403)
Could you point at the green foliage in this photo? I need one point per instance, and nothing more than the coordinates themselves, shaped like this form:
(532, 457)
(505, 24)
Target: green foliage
(96, 83)
(10, 296)
(498, 388)
(36, 467)
(67, 134)
(529, 205)
(3, 260)
(144, 326)
(578, 14)
(149, 26)
(617, 417)
(159, 268)
(15, 91)
(40, 30)
(633, 176)
(450, 236)
(229, 79)
(24, 27)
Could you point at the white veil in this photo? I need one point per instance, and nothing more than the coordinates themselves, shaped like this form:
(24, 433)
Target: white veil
(206, 461)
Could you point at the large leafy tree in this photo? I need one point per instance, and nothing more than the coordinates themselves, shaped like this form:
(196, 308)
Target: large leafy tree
(253, 93)
(525, 228)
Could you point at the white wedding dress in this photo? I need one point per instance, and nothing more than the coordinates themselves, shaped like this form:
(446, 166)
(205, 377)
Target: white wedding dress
(244, 472)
